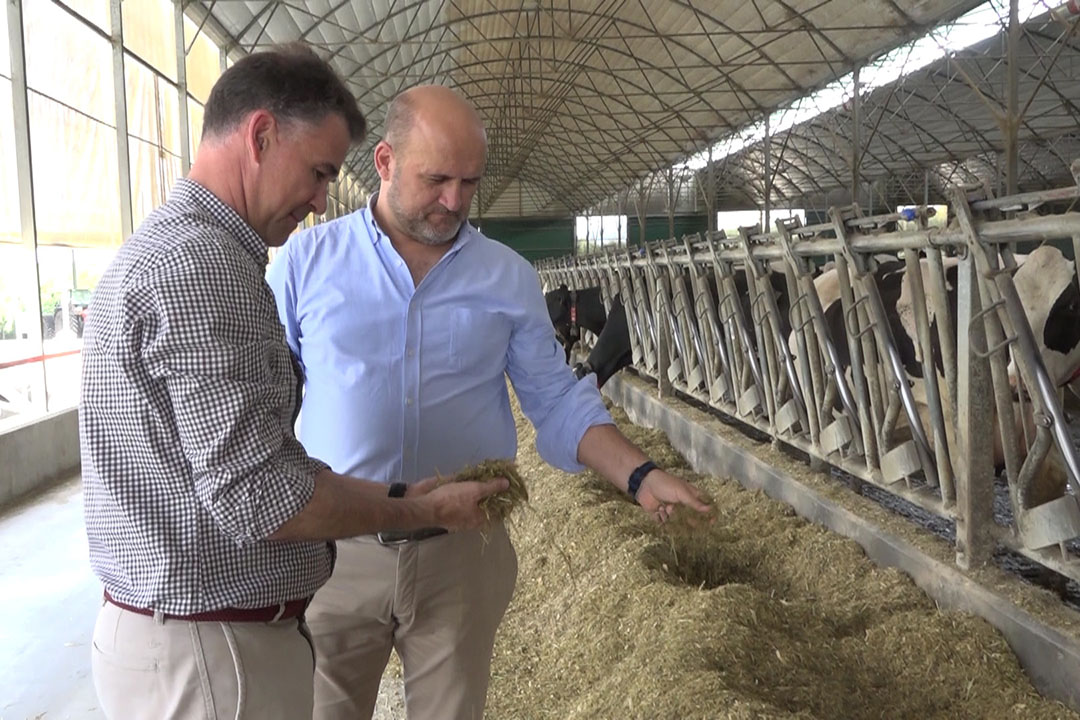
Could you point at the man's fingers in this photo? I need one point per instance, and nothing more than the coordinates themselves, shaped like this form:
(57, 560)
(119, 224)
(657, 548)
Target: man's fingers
(697, 501)
(693, 497)
(424, 486)
(490, 487)
(670, 490)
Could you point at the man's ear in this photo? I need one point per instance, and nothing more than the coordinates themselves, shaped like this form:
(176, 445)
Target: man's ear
(259, 133)
(384, 160)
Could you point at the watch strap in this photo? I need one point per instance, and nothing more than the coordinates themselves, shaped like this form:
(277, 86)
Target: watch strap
(638, 476)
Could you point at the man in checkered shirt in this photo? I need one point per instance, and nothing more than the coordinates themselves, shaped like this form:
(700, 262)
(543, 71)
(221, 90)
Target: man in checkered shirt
(208, 524)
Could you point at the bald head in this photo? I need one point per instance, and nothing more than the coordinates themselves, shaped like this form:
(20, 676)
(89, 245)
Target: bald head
(430, 163)
(432, 108)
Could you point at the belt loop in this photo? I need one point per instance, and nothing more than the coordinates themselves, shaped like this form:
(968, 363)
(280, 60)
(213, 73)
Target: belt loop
(280, 612)
(159, 617)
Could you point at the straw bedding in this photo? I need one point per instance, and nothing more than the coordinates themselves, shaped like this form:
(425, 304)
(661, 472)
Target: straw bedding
(756, 615)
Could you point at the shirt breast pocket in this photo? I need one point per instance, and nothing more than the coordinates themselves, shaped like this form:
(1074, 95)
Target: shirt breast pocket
(479, 340)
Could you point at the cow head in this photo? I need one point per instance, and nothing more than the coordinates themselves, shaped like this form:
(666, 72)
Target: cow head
(1047, 286)
(558, 305)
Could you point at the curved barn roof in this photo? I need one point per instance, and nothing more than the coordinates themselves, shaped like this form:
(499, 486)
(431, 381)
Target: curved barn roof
(933, 128)
(584, 98)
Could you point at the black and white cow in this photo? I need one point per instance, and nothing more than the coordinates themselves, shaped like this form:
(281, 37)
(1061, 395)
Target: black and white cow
(1045, 282)
(612, 351)
(571, 310)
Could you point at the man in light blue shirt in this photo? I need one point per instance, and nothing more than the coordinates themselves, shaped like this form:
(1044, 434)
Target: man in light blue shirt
(406, 322)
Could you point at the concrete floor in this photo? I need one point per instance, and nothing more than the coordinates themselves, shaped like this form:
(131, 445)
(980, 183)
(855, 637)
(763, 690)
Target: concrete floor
(51, 599)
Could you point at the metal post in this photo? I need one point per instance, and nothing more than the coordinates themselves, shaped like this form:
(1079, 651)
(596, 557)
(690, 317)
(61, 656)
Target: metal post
(181, 87)
(856, 149)
(974, 466)
(710, 187)
(621, 239)
(866, 403)
(642, 210)
(660, 310)
(672, 193)
(933, 397)
(1012, 119)
(767, 225)
(27, 218)
(123, 156)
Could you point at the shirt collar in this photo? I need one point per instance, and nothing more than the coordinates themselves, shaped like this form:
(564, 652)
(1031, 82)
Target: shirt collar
(189, 192)
(464, 236)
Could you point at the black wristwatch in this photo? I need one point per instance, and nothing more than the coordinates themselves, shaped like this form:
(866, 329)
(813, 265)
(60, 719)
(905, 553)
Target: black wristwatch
(398, 490)
(638, 476)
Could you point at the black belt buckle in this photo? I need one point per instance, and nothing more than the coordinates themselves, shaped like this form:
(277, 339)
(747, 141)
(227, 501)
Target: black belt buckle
(399, 537)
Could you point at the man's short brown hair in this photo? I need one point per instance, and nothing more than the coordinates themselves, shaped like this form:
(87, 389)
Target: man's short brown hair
(291, 82)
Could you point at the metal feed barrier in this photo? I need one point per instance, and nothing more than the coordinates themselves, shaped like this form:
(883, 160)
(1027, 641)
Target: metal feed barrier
(704, 320)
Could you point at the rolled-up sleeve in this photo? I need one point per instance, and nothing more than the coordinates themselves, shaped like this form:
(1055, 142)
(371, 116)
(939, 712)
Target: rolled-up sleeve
(560, 407)
(217, 347)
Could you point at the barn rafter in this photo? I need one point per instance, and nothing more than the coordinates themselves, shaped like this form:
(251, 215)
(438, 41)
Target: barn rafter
(584, 99)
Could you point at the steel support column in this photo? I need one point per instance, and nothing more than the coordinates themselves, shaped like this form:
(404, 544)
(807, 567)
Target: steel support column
(856, 142)
(123, 155)
(181, 87)
(23, 169)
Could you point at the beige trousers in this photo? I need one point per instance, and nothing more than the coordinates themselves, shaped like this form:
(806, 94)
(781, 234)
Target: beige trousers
(438, 602)
(176, 670)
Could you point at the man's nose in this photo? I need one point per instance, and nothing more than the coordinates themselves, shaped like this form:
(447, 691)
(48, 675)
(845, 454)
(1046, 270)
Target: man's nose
(452, 197)
(318, 202)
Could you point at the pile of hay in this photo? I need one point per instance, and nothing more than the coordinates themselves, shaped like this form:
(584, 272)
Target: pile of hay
(758, 615)
(501, 504)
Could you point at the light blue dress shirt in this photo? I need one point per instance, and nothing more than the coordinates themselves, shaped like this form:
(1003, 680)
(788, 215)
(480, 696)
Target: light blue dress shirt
(403, 382)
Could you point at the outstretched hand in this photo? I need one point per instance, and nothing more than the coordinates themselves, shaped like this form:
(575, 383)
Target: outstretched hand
(661, 492)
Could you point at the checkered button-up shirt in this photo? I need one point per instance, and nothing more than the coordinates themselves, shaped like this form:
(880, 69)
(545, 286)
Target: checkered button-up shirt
(189, 394)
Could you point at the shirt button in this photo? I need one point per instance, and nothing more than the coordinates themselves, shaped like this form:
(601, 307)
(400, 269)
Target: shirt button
(411, 352)
(408, 401)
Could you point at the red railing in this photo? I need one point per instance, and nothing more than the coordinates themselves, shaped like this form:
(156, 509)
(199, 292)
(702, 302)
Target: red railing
(37, 358)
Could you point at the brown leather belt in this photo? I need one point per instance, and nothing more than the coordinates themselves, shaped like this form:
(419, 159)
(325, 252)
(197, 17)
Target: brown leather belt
(397, 537)
(273, 613)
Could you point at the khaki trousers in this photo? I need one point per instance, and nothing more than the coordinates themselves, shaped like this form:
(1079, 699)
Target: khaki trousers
(438, 602)
(160, 669)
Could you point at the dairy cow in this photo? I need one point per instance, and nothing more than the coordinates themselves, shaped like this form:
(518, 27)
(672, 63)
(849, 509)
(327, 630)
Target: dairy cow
(571, 310)
(1046, 284)
(612, 351)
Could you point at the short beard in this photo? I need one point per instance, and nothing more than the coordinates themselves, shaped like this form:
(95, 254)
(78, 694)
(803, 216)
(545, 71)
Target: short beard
(416, 226)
